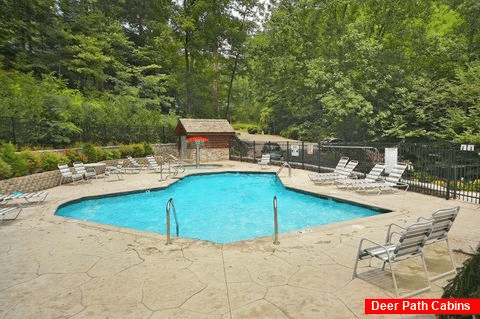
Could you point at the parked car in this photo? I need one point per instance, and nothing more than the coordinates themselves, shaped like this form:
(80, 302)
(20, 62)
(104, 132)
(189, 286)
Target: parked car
(275, 151)
(332, 141)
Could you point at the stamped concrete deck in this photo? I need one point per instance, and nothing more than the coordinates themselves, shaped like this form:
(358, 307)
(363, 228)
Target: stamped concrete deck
(52, 267)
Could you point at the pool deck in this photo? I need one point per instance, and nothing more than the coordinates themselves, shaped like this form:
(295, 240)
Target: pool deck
(52, 267)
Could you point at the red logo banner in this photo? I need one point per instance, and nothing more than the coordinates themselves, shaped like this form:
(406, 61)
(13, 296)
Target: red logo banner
(422, 306)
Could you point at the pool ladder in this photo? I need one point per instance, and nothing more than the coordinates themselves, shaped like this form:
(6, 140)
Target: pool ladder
(170, 205)
(281, 168)
(275, 221)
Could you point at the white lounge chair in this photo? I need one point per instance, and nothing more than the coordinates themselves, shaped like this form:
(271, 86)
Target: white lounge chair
(10, 213)
(178, 164)
(264, 162)
(118, 170)
(35, 197)
(134, 167)
(87, 174)
(392, 181)
(153, 165)
(371, 177)
(340, 166)
(442, 221)
(342, 174)
(66, 174)
(409, 244)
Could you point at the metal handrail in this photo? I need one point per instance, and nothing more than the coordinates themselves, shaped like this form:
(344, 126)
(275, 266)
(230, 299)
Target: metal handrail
(171, 204)
(275, 221)
(289, 169)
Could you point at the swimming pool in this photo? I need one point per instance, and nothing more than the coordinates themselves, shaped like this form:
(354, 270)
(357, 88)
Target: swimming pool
(218, 207)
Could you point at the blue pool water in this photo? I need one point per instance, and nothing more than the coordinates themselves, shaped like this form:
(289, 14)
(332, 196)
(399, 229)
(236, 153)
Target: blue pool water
(220, 207)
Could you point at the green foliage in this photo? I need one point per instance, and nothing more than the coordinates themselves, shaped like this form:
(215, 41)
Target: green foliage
(91, 152)
(147, 149)
(137, 150)
(17, 163)
(5, 170)
(49, 160)
(72, 155)
(466, 283)
(245, 127)
(32, 161)
(112, 154)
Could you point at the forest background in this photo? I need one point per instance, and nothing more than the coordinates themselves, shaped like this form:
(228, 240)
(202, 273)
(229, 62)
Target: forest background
(360, 70)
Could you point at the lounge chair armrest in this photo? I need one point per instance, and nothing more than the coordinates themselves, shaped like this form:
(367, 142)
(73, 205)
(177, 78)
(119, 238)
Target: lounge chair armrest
(423, 218)
(390, 232)
(359, 254)
(394, 233)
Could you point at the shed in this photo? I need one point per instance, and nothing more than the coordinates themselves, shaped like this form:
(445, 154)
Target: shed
(219, 134)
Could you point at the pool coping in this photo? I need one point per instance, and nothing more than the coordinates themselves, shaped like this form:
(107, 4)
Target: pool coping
(380, 210)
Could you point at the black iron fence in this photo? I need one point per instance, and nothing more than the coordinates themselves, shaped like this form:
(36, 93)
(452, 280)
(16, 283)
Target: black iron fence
(32, 131)
(444, 171)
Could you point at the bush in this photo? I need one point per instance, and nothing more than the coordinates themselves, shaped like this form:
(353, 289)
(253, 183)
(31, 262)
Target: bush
(112, 154)
(466, 283)
(126, 150)
(147, 149)
(5, 170)
(250, 128)
(49, 161)
(32, 161)
(91, 152)
(70, 156)
(17, 164)
(138, 150)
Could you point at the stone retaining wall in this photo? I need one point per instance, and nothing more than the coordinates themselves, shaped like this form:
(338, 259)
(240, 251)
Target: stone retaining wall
(45, 180)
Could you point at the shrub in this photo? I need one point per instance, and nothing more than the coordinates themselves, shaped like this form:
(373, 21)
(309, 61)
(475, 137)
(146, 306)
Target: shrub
(5, 170)
(250, 128)
(466, 284)
(112, 154)
(91, 152)
(138, 150)
(32, 161)
(70, 156)
(126, 150)
(147, 149)
(49, 161)
(17, 164)
(101, 154)
(439, 183)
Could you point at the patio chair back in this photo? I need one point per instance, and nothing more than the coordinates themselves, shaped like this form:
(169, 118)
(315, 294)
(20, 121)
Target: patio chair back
(348, 169)
(64, 170)
(442, 222)
(396, 173)
(152, 163)
(412, 240)
(341, 165)
(81, 170)
(375, 173)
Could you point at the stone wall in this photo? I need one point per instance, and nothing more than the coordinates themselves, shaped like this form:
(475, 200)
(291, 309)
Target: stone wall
(208, 154)
(45, 180)
(30, 183)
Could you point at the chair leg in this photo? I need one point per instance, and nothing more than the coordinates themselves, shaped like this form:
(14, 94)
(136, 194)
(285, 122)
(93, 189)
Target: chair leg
(453, 271)
(428, 288)
(394, 279)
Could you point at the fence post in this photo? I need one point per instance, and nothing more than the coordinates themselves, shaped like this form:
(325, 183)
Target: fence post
(13, 131)
(287, 153)
(319, 156)
(303, 154)
(254, 152)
